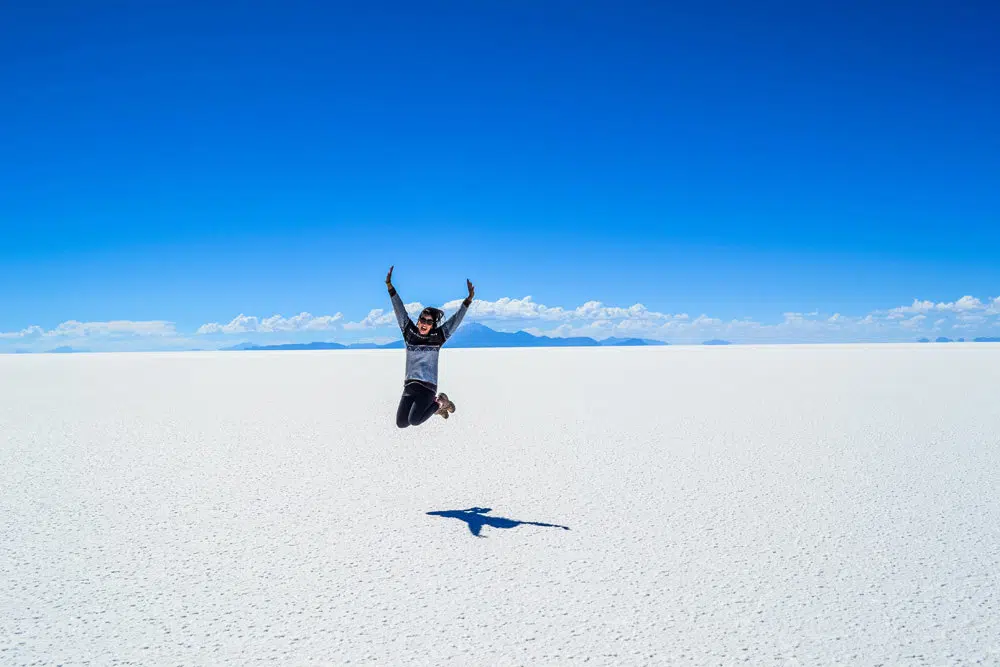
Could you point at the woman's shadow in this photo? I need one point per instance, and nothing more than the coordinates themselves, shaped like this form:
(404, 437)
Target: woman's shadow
(476, 518)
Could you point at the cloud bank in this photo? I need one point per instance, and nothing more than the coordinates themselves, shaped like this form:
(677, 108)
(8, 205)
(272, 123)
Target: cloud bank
(276, 323)
(113, 329)
(967, 317)
(962, 317)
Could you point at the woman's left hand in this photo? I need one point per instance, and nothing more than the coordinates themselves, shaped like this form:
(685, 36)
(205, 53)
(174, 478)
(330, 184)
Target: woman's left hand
(472, 289)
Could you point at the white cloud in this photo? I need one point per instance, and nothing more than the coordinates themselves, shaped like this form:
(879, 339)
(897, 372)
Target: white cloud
(916, 307)
(599, 311)
(512, 309)
(592, 318)
(300, 322)
(114, 329)
(72, 328)
(380, 317)
(30, 332)
(965, 304)
(375, 318)
(597, 319)
(239, 324)
(625, 326)
(106, 336)
(276, 323)
(641, 327)
(702, 321)
(509, 309)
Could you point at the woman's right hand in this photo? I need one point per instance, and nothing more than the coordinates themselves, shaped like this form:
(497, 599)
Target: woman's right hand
(388, 278)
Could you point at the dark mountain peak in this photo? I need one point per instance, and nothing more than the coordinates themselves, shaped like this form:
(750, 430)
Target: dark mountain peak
(630, 342)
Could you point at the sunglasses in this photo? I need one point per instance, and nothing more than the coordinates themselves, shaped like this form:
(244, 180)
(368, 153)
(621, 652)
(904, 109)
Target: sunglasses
(426, 320)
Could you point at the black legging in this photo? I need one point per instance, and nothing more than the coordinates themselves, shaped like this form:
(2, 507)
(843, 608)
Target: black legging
(416, 406)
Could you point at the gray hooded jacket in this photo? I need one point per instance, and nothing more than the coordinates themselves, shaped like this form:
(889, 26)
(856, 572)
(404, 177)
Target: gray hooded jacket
(422, 351)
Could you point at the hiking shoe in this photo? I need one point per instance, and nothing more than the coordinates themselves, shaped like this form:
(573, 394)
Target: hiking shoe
(446, 402)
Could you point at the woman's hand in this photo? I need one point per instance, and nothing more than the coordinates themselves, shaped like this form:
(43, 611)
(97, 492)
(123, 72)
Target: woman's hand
(472, 291)
(388, 278)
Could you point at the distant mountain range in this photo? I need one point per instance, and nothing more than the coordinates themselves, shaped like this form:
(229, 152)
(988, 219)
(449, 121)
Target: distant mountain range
(472, 334)
(290, 346)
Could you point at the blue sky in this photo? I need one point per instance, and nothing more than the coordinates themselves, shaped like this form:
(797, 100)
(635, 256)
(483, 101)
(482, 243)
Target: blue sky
(184, 163)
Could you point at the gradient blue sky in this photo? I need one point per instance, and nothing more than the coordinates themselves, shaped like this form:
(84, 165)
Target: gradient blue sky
(188, 162)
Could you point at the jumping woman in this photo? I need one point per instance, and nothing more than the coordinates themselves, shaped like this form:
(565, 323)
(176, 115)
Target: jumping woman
(423, 344)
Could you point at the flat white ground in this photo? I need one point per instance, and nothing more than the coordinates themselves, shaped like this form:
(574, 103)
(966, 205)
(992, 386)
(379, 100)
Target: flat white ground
(773, 505)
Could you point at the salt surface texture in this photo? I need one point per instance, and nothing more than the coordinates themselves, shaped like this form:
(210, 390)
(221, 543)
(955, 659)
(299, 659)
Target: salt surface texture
(773, 505)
